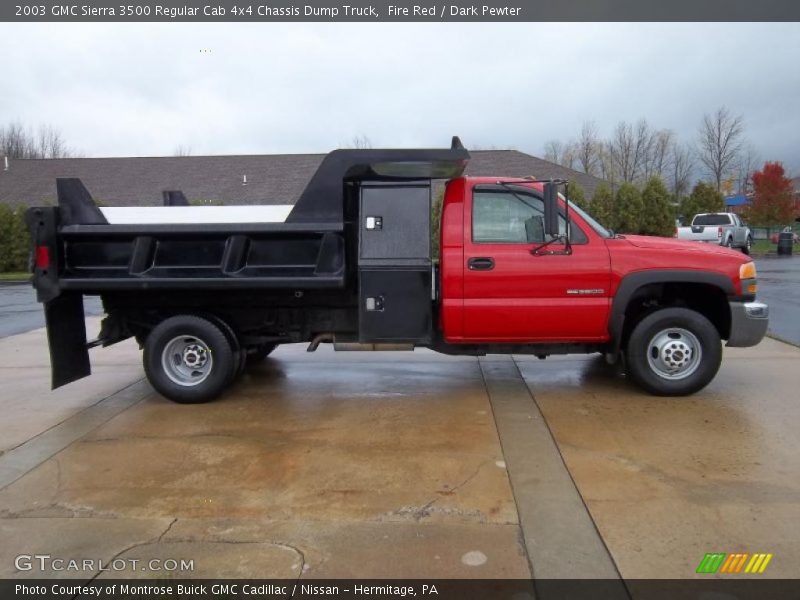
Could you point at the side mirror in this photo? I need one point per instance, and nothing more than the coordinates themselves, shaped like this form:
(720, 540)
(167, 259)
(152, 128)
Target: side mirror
(551, 209)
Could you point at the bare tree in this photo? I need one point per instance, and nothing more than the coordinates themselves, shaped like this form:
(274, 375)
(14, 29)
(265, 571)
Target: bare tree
(50, 143)
(182, 150)
(748, 162)
(719, 142)
(630, 146)
(587, 147)
(359, 141)
(14, 141)
(605, 163)
(658, 155)
(18, 142)
(553, 150)
(681, 169)
(569, 156)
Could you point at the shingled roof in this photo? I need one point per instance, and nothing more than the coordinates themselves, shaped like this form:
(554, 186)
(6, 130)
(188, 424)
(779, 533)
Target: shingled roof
(271, 178)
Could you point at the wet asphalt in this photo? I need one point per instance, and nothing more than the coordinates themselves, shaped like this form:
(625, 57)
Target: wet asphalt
(19, 311)
(779, 286)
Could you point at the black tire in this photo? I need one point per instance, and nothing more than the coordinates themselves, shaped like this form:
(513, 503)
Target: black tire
(212, 365)
(660, 334)
(238, 351)
(747, 245)
(729, 243)
(260, 353)
(241, 362)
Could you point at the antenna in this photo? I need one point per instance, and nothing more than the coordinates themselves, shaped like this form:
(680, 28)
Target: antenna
(5, 161)
(244, 179)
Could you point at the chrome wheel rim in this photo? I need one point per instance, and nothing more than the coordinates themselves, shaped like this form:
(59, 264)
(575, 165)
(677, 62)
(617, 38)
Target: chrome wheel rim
(187, 360)
(674, 353)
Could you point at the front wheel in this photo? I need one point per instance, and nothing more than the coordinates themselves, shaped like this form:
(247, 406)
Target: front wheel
(674, 352)
(188, 359)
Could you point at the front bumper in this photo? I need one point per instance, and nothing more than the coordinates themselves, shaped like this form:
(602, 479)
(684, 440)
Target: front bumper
(749, 322)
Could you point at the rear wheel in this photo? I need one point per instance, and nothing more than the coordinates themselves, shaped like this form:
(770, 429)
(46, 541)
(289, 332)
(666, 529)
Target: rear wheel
(673, 352)
(188, 359)
(748, 245)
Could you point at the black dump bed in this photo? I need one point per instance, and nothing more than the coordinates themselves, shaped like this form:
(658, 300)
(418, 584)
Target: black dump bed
(366, 274)
(77, 249)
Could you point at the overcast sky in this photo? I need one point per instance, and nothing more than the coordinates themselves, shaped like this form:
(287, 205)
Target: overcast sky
(144, 89)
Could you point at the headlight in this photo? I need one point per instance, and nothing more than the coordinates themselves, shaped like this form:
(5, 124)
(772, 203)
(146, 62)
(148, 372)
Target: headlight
(747, 270)
(747, 275)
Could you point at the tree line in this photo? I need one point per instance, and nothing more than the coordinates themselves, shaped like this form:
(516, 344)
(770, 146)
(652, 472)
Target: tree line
(650, 209)
(635, 152)
(18, 141)
(654, 178)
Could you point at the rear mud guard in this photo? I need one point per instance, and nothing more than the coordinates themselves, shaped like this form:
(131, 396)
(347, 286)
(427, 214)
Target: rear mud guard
(66, 336)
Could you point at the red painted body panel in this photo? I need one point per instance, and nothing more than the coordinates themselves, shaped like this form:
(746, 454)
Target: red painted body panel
(525, 299)
(451, 257)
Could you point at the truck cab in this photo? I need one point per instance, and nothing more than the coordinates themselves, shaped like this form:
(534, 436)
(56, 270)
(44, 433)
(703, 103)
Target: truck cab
(660, 304)
(521, 270)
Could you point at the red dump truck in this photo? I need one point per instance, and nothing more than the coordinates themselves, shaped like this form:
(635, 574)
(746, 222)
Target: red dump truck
(206, 290)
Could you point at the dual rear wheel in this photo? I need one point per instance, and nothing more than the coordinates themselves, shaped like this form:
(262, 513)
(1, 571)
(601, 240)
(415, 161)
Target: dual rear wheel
(190, 359)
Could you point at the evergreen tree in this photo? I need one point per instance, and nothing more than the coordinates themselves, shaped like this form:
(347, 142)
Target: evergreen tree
(21, 241)
(657, 215)
(603, 205)
(6, 236)
(704, 199)
(577, 196)
(627, 213)
(436, 220)
(14, 239)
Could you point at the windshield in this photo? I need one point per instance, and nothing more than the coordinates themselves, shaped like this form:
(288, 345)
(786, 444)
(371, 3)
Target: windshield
(599, 229)
(711, 220)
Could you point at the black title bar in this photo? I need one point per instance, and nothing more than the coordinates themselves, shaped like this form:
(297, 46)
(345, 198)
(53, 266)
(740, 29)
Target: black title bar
(420, 11)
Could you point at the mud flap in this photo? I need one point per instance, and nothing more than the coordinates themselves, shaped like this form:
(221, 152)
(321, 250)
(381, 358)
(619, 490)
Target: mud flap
(66, 335)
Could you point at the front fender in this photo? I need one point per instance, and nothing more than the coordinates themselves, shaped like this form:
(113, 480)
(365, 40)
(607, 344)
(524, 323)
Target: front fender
(632, 282)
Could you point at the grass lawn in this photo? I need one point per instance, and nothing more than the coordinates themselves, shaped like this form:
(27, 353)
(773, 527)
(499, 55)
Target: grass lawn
(15, 276)
(762, 247)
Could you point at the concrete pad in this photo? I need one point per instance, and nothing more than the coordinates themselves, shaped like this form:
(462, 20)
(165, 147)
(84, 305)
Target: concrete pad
(22, 459)
(670, 479)
(30, 407)
(71, 539)
(374, 467)
(559, 533)
(361, 550)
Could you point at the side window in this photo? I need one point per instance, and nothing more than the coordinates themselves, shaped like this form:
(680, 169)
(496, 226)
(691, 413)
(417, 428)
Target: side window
(502, 217)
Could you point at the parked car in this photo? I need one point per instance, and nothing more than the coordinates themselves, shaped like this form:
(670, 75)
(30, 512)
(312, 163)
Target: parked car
(724, 229)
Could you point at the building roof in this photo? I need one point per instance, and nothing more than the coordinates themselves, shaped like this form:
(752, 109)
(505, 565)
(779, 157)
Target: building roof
(271, 178)
(738, 200)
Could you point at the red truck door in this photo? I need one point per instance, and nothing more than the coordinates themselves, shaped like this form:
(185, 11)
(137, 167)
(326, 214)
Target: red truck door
(511, 295)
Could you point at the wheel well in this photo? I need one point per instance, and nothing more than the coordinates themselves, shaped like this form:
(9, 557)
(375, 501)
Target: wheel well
(141, 324)
(707, 299)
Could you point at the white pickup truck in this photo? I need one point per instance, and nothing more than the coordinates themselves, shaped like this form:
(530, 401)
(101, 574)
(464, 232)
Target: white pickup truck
(725, 229)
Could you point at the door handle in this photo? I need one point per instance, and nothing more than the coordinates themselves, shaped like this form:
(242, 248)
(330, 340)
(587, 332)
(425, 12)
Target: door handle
(480, 263)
